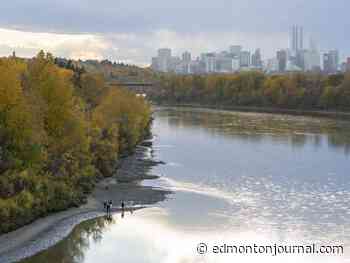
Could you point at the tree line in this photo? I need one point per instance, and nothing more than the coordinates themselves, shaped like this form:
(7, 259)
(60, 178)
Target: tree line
(305, 91)
(61, 130)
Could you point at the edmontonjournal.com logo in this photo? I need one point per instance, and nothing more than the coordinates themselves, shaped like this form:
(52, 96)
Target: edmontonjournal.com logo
(272, 249)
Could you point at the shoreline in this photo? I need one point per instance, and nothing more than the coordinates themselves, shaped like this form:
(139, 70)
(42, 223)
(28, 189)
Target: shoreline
(294, 112)
(48, 231)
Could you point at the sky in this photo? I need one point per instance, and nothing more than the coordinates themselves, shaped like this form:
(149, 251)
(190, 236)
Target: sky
(132, 30)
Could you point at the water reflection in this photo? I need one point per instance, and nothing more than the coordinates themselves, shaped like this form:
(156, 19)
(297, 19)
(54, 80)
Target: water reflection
(73, 248)
(238, 178)
(284, 174)
(254, 127)
(148, 236)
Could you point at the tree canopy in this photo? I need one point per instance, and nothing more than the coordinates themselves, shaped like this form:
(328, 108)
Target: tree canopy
(290, 91)
(61, 129)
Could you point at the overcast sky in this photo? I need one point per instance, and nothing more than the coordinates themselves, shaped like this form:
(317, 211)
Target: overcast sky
(132, 30)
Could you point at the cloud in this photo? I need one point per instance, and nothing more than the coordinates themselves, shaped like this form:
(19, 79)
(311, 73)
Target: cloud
(135, 16)
(130, 48)
(132, 30)
(27, 44)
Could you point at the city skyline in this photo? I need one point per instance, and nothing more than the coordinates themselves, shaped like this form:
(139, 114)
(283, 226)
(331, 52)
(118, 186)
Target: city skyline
(96, 48)
(295, 57)
(131, 31)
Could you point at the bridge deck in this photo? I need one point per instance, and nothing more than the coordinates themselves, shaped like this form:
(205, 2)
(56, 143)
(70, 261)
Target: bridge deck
(130, 84)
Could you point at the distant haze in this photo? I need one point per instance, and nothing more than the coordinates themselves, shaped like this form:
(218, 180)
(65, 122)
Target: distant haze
(131, 31)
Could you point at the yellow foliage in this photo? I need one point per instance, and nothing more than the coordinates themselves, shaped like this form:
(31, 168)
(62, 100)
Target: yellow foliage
(57, 133)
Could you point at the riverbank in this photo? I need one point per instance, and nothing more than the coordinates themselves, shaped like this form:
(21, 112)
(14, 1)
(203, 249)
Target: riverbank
(312, 113)
(47, 231)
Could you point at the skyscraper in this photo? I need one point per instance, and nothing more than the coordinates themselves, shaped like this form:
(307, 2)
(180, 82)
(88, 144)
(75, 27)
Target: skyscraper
(348, 64)
(312, 60)
(312, 57)
(282, 60)
(155, 64)
(235, 50)
(164, 57)
(245, 59)
(256, 59)
(300, 59)
(297, 39)
(186, 56)
(331, 61)
(209, 60)
(164, 52)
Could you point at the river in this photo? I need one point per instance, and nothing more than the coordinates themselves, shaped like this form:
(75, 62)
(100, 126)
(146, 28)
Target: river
(237, 179)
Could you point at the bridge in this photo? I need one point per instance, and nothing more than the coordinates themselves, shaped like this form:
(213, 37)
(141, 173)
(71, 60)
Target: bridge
(137, 87)
(133, 84)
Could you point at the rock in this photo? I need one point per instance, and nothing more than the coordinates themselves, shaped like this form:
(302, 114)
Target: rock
(147, 143)
(135, 167)
(131, 179)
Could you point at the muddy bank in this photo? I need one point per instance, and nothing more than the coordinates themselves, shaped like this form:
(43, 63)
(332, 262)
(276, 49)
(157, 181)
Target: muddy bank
(296, 112)
(123, 186)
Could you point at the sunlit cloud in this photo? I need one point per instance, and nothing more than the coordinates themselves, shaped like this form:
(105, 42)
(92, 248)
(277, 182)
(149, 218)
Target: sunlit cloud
(27, 44)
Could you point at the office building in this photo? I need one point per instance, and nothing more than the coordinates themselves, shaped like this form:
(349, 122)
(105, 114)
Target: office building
(164, 56)
(164, 53)
(155, 64)
(186, 57)
(173, 62)
(209, 60)
(331, 61)
(343, 67)
(347, 64)
(227, 64)
(256, 59)
(300, 59)
(296, 39)
(235, 50)
(282, 60)
(296, 58)
(312, 60)
(245, 59)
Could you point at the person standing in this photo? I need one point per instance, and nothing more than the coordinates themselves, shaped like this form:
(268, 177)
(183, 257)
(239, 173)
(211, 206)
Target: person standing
(105, 206)
(110, 203)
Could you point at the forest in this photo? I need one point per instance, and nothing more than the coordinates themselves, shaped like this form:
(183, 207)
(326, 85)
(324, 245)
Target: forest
(304, 91)
(61, 130)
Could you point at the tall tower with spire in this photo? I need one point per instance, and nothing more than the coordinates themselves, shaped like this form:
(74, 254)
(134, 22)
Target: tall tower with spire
(297, 38)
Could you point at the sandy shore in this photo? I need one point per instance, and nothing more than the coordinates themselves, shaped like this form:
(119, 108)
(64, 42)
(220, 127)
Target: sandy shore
(45, 232)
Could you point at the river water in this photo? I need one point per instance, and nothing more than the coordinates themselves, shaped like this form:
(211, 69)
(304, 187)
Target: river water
(237, 179)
